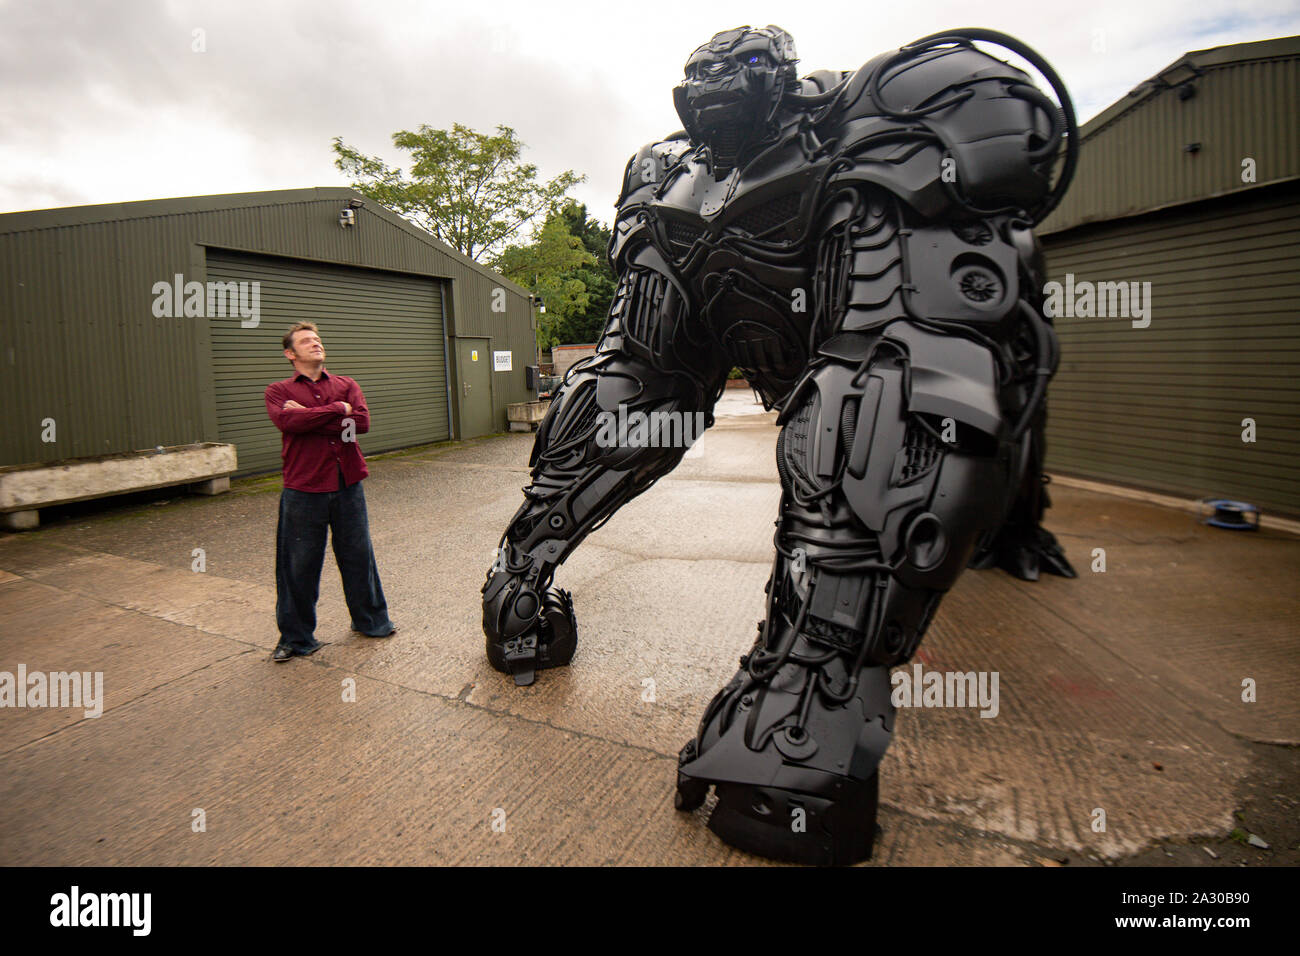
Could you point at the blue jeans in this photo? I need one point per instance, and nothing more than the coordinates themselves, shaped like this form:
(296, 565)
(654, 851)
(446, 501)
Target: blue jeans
(300, 553)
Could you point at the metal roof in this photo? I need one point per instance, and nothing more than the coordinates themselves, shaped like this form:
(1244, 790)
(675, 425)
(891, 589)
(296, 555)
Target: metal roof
(1185, 134)
(15, 222)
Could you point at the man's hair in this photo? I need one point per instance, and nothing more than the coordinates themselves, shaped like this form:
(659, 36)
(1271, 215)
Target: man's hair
(298, 327)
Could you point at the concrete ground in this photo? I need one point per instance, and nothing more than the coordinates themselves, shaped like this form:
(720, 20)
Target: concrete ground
(1121, 691)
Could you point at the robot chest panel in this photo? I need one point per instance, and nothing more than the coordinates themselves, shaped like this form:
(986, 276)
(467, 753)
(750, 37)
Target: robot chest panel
(765, 214)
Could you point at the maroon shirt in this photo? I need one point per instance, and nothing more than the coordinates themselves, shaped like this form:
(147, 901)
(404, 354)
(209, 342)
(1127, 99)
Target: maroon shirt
(312, 447)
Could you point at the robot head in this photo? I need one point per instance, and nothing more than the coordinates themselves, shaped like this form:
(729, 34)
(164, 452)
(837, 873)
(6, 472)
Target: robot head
(733, 89)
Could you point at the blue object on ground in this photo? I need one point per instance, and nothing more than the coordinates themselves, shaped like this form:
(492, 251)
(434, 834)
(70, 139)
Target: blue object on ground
(1233, 515)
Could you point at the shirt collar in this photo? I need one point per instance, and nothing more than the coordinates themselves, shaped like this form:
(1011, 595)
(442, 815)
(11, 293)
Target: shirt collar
(302, 376)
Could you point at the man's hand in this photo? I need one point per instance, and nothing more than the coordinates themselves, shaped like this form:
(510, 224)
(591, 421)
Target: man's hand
(347, 406)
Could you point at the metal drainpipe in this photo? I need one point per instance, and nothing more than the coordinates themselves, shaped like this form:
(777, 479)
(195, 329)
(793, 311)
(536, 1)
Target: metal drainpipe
(446, 361)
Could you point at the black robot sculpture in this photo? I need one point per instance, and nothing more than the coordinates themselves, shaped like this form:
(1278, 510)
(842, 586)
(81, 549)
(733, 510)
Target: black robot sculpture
(860, 245)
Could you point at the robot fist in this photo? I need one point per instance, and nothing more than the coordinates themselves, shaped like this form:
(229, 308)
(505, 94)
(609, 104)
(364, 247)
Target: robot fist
(527, 630)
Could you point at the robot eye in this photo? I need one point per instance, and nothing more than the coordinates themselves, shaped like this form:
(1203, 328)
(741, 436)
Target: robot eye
(709, 68)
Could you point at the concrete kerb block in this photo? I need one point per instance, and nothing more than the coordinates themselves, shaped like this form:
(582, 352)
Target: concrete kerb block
(526, 416)
(28, 487)
(213, 486)
(20, 520)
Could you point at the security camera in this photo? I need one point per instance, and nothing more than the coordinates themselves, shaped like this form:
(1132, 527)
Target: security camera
(347, 218)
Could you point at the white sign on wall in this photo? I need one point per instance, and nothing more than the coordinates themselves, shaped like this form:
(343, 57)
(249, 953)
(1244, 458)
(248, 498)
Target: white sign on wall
(501, 361)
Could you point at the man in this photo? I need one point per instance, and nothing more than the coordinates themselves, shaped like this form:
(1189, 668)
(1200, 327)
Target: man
(320, 415)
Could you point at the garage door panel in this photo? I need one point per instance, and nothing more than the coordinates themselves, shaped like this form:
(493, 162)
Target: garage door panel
(1163, 406)
(383, 329)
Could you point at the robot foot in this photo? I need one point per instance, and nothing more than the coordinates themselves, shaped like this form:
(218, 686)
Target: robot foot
(550, 644)
(1025, 557)
(1041, 552)
(780, 824)
(1051, 556)
(793, 782)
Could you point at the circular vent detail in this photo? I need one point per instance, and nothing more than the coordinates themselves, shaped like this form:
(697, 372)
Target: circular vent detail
(978, 284)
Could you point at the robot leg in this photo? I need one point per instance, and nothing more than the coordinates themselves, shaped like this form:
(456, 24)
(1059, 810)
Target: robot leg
(879, 516)
(1023, 547)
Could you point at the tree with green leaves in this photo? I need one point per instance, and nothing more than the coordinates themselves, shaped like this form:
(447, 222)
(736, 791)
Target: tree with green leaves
(565, 265)
(548, 268)
(597, 276)
(469, 189)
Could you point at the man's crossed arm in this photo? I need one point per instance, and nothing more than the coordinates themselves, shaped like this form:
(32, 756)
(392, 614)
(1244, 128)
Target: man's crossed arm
(291, 417)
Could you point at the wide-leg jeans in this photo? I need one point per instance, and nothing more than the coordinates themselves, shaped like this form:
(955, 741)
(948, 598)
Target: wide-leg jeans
(305, 517)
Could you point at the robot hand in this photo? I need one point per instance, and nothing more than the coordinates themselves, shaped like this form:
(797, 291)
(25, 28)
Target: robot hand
(528, 629)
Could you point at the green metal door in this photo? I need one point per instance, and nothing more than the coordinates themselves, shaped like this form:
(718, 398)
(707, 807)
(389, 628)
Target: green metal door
(383, 329)
(474, 361)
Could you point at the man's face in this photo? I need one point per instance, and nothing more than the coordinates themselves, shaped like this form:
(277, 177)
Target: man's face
(307, 347)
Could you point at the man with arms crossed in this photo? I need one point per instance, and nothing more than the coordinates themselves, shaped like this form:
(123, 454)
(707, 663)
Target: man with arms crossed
(320, 416)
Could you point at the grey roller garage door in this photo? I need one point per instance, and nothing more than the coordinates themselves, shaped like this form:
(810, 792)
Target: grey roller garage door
(1162, 407)
(384, 329)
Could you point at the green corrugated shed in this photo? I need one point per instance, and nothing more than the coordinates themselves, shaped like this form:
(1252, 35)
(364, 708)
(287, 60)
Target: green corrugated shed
(80, 343)
(1183, 135)
(1164, 195)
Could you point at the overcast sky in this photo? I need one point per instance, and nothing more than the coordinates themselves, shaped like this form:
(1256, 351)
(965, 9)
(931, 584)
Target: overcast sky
(107, 102)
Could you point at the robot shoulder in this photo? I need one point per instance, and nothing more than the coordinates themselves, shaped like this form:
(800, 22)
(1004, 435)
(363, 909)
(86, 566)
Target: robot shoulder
(997, 132)
(651, 164)
(908, 84)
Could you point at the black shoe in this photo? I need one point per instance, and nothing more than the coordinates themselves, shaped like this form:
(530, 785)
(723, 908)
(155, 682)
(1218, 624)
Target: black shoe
(282, 653)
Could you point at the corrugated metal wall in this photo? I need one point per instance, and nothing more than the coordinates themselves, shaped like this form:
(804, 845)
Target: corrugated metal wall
(80, 343)
(1162, 407)
(84, 348)
(1134, 154)
(384, 329)
(513, 330)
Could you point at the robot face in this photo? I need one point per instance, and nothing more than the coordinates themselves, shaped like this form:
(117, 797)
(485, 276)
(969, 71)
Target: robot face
(733, 87)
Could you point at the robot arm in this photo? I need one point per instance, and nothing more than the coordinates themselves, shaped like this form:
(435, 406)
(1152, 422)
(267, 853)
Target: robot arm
(902, 450)
(881, 509)
(620, 421)
(947, 159)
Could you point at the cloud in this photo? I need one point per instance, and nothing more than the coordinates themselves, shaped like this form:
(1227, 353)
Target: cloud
(112, 102)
